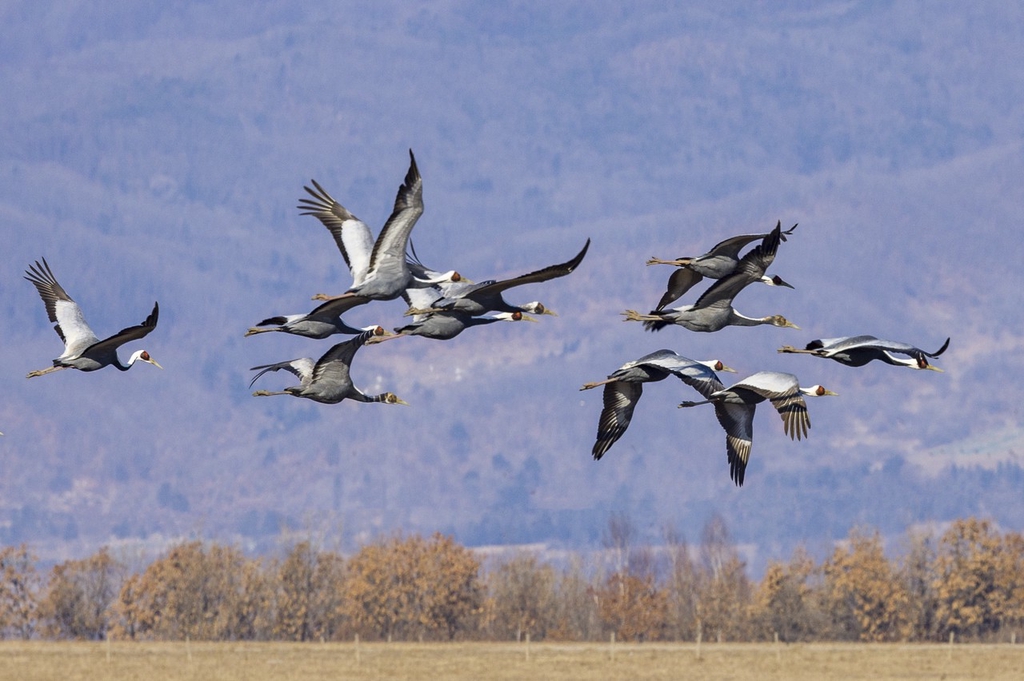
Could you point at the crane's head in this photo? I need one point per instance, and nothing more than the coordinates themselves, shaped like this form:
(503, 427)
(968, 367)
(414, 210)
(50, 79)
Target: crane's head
(717, 365)
(516, 316)
(780, 321)
(817, 391)
(451, 276)
(537, 307)
(391, 398)
(922, 363)
(142, 355)
(775, 281)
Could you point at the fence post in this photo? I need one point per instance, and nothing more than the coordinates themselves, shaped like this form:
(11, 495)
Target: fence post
(700, 634)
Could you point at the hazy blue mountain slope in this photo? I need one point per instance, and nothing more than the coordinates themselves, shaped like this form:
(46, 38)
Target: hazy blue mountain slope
(158, 154)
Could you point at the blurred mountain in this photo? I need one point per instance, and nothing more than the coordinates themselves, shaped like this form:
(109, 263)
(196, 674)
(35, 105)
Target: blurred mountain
(157, 153)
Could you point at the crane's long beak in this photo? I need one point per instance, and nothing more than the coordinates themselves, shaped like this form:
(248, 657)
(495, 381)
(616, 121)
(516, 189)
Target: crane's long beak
(728, 369)
(153, 362)
(778, 281)
(930, 367)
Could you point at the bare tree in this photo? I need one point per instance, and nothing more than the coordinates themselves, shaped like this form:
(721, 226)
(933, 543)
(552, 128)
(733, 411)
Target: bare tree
(19, 592)
(78, 596)
(522, 593)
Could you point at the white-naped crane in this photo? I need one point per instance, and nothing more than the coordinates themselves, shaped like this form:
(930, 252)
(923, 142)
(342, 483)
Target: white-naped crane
(82, 349)
(735, 405)
(448, 325)
(721, 261)
(625, 385)
(326, 380)
(713, 311)
(443, 325)
(380, 269)
(486, 296)
(856, 351)
(324, 321)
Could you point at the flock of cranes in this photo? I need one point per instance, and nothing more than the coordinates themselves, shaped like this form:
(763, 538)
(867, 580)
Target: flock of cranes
(713, 311)
(443, 304)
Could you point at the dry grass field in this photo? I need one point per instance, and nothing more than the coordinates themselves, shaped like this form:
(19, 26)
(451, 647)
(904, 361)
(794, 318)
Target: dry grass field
(561, 662)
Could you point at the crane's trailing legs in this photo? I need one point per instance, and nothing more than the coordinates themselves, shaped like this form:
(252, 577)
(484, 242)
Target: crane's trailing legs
(47, 370)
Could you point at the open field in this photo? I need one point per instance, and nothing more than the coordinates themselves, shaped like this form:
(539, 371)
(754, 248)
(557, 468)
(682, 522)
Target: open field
(310, 662)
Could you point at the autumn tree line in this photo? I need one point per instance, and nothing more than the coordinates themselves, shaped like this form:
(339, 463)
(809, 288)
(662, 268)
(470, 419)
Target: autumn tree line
(967, 582)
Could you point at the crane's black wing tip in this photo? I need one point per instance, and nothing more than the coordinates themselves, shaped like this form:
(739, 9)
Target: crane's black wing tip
(940, 350)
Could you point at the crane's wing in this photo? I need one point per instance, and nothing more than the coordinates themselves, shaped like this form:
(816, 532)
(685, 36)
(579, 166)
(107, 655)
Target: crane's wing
(130, 333)
(302, 368)
(757, 259)
(422, 299)
(700, 378)
(783, 391)
(61, 309)
(793, 410)
(722, 292)
(336, 307)
(351, 234)
(620, 398)
(550, 272)
(738, 422)
(693, 373)
(334, 364)
(750, 268)
(679, 282)
(830, 345)
(389, 250)
(907, 349)
(733, 245)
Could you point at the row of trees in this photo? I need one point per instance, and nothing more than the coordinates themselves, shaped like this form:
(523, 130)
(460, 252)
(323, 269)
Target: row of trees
(968, 582)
